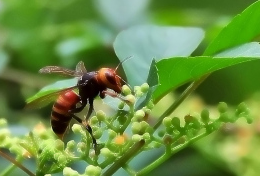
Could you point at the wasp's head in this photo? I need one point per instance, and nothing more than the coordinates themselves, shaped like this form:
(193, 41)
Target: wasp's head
(108, 78)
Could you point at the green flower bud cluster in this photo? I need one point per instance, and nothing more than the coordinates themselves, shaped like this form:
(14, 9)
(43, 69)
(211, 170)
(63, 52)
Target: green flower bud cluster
(89, 171)
(141, 130)
(172, 125)
(224, 116)
(8, 141)
(174, 131)
(241, 111)
(138, 116)
(141, 90)
(193, 126)
(92, 171)
(77, 129)
(53, 155)
(71, 147)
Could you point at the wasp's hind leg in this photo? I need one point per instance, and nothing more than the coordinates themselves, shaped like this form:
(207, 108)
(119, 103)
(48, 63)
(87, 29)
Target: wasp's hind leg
(89, 129)
(80, 107)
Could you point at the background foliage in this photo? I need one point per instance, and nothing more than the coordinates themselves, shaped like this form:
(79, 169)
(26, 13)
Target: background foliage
(39, 33)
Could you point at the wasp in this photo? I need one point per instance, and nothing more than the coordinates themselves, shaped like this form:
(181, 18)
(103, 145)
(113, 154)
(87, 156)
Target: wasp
(68, 102)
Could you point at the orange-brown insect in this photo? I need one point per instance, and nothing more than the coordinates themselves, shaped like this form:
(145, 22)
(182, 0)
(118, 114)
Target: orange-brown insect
(90, 85)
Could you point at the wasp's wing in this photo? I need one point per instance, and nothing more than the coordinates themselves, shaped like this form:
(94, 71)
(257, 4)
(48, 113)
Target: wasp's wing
(80, 68)
(46, 99)
(59, 70)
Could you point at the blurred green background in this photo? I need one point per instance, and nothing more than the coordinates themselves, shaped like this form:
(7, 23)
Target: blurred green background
(36, 33)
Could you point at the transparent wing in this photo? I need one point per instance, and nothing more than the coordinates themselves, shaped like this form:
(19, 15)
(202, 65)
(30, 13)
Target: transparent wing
(47, 99)
(58, 70)
(80, 68)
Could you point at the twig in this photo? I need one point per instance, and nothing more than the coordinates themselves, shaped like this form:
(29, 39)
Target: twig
(12, 160)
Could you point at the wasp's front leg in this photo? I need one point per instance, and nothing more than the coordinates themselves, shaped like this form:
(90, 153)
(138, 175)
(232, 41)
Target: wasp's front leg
(113, 94)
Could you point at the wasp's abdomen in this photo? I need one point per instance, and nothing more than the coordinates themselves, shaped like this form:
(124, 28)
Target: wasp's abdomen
(60, 116)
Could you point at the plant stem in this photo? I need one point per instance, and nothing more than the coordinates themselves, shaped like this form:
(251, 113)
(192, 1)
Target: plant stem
(8, 170)
(126, 157)
(16, 163)
(128, 120)
(167, 155)
(129, 170)
(182, 97)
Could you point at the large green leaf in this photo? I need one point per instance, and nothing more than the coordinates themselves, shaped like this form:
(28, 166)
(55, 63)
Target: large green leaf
(148, 42)
(242, 29)
(177, 71)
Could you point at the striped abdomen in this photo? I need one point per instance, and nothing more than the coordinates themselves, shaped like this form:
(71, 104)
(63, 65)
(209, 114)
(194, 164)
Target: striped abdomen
(60, 117)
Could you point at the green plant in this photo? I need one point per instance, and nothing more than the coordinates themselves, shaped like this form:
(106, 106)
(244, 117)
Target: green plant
(159, 69)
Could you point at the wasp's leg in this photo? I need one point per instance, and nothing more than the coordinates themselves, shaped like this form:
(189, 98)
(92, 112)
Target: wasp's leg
(113, 94)
(89, 129)
(90, 110)
(78, 109)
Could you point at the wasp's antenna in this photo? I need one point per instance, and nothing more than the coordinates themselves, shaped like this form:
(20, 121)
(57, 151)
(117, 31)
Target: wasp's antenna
(123, 62)
(123, 81)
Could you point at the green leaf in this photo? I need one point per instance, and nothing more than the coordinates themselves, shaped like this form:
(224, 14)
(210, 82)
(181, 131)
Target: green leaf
(242, 29)
(153, 81)
(45, 91)
(249, 49)
(148, 42)
(177, 71)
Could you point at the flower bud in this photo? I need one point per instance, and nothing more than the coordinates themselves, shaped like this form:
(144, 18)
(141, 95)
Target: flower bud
(144, 87)
(107, 153)
(67, 171)
(59, 145)
(205, 116)
(136, 127)
(167, 122)
(93, 170)
(126, 90)
(222, 107)
(101, 115)
(76, 128)
(130, 99)
(136, 137)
